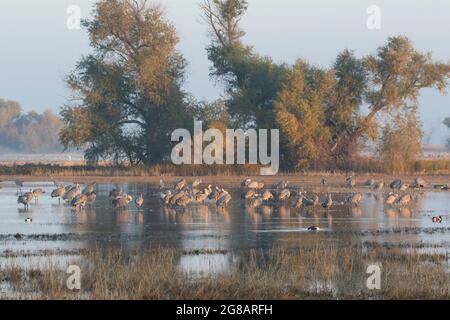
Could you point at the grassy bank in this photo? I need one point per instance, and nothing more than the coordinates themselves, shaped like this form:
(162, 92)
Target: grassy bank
(369, 167)
(318, 272)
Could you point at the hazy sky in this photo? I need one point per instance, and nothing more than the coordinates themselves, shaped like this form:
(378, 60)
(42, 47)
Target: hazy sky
(37, 49)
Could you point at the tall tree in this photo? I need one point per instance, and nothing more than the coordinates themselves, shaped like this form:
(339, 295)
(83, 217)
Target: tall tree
(128, 91)
(390, 80)
(397, 74)
(300, 114)
(343, 111)
(252, 82)
(400, 143)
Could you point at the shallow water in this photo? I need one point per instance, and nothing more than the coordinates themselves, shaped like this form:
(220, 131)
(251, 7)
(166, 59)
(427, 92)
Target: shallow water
(207, 237)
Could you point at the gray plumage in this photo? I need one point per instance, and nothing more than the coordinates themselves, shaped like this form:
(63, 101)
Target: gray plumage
(139, 201)
(328, 202)
(115, 193)
(72, 193)
(79, 201)
(284, 195)
(223, 200)
(25, 199)
(122, 201)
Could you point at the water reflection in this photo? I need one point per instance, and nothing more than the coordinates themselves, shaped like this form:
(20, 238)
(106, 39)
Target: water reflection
(217, 233)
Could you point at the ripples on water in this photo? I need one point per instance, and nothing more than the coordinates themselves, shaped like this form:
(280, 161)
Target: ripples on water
(215, 235)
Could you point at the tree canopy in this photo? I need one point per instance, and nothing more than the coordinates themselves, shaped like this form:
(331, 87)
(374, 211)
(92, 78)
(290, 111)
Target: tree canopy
(321, 117)
(128, 96)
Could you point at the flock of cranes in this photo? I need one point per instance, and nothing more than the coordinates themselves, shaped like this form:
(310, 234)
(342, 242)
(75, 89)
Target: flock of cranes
(254, 193)
(75, 196)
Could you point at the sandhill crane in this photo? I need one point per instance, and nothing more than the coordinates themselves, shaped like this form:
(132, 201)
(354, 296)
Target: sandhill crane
(311, 201)
(255, 185)
(419, 183)
(89, 188)
(196, 183)
(254, 203)
(370, 183)
(184, 200)
(78, 202)
(246, 182)
(223, 200)
(179, 185)
(58, 193)
(122, 201)
(298, 200)
(72, 193)
(25, 199)
(284, 195)
(281, 185)
(37, 193)
(176, 197)
(350, 182)
(91, 197)
(115, 193)
(200, 197)
(248, 194)
(217, 195)
(355, 199)
(139, 201)
(404, 187)
(267, 196)
(378, 186)
(391, 198)
(19, 185)
(405, 199)
(214, 193)
(166, 196)
(328, 202)
(396, 184)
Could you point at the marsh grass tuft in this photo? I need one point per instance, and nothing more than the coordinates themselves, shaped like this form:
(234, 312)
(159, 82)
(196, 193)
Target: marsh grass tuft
(318, 272)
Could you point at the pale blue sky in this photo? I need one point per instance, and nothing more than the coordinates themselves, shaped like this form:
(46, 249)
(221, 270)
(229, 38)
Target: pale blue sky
(37, 50)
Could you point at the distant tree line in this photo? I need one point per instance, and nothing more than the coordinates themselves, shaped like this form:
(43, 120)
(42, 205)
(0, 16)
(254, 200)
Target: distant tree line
(28, 133)
(130, 97)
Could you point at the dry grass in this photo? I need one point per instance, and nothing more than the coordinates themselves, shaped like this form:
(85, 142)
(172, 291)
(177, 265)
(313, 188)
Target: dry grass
(364, 166)
(318, 272)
